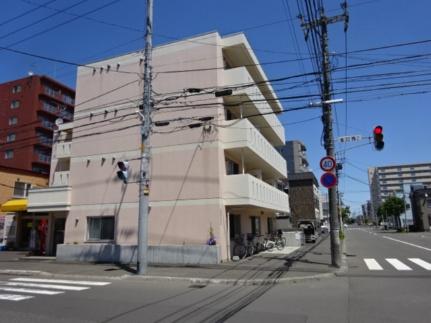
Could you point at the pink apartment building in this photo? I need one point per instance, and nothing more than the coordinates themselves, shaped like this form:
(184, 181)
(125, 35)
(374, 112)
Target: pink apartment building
(213, 168)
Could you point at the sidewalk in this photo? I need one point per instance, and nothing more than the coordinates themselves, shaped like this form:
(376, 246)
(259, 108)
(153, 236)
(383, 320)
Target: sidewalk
(311, 261)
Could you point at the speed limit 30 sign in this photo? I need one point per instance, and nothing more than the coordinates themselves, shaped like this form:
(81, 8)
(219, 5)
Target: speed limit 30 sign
(327, 163)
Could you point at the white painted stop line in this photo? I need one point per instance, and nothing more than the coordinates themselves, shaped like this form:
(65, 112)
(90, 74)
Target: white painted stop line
(49, 286)
(421, 263)
(30, 291)
(61, 281)
(372, 264)
(14, 297)
(398, 264)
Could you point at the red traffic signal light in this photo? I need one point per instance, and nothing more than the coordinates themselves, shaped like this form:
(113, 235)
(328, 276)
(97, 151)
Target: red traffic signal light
(378, 138)
(378, 130)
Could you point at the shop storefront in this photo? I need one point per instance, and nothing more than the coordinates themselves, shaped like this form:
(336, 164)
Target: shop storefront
(37, 233)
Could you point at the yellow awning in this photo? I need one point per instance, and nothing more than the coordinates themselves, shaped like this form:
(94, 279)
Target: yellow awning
(14, 205)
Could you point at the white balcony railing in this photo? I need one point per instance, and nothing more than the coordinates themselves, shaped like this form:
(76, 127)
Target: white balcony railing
(240, 75)
(49, 199)
(242, 134)
(62, 149)
(245, 189)
(61, 178)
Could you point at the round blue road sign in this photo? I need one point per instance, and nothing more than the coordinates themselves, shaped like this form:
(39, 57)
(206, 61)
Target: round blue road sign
(328, 180)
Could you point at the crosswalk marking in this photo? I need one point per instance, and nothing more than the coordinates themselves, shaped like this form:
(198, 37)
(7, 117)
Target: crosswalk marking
(41, 286)
(398, 264)
(61, 281)
(30, 291)
(372, 264)
(14, 297)
(49, 286)
(421, 263)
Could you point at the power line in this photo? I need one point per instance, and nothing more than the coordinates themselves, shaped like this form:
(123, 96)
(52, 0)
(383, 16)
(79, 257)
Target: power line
(49, 29)
(25, 13)
(33, 23)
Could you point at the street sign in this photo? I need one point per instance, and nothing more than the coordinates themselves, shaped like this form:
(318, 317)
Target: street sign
(353, 138)
(327, 163)
(328, 180)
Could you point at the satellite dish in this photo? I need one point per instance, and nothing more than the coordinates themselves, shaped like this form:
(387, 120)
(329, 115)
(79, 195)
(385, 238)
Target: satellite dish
(58, 121)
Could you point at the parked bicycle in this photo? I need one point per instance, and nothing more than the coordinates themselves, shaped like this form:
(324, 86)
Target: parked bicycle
(243, 247)
(280, 241)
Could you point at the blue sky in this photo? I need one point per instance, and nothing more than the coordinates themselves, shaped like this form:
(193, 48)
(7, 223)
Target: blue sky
(270, 30)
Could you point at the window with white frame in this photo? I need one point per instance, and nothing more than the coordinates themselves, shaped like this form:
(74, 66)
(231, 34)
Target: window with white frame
(13, 121)
(10, 137)
(15, 104)
(16, 89)
(8, 154)
(100, 228)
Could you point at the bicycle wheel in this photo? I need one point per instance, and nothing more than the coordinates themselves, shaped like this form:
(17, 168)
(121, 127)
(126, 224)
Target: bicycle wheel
(240, 251)
(279, 244)
(250, 250)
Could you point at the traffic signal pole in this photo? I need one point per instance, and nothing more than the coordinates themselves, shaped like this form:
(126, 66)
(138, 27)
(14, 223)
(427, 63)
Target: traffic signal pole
(142, 254)
(329, 146)
(323, 22)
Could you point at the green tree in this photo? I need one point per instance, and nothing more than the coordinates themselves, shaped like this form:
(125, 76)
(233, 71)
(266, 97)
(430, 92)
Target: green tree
(392, 206)
(345, 214)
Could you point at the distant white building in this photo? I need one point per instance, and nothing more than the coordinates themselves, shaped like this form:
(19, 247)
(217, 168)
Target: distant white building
(392, 180)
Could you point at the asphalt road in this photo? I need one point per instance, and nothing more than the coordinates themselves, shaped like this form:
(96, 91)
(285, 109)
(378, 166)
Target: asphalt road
(389, 294)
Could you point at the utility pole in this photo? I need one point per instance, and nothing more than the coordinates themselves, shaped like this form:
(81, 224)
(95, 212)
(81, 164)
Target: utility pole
(323, 22)
(142, 254)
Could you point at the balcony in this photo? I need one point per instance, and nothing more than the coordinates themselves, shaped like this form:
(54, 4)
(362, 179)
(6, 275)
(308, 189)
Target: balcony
(49, 199)
(61, 178)
(42, 158)
(47, 124)
(62, 150)
(242, 139)
(271, 127)
(245, 189)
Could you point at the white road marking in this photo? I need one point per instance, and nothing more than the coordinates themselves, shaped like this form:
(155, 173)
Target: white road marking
(30, 291)
(421, 263)
(49, 286)
(372, 264)
(14, 297)
(398, 264)
(408, 243)
(61, 281)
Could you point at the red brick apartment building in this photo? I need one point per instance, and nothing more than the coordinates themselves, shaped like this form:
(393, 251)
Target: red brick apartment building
(29, 108)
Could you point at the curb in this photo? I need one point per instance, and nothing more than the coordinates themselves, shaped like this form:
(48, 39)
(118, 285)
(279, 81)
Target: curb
(236, 282)
(191, 280)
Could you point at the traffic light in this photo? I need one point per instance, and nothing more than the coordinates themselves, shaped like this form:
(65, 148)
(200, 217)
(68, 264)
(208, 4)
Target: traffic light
(378, 138)
(123, 173)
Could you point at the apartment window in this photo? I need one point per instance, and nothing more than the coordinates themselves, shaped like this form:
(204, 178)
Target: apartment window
(13, 121)
(21, 189)
(100, 228)
(8, 154)
(255, 225)
(10, 137)
(232, 168)
(15, 104)
(16, 89)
